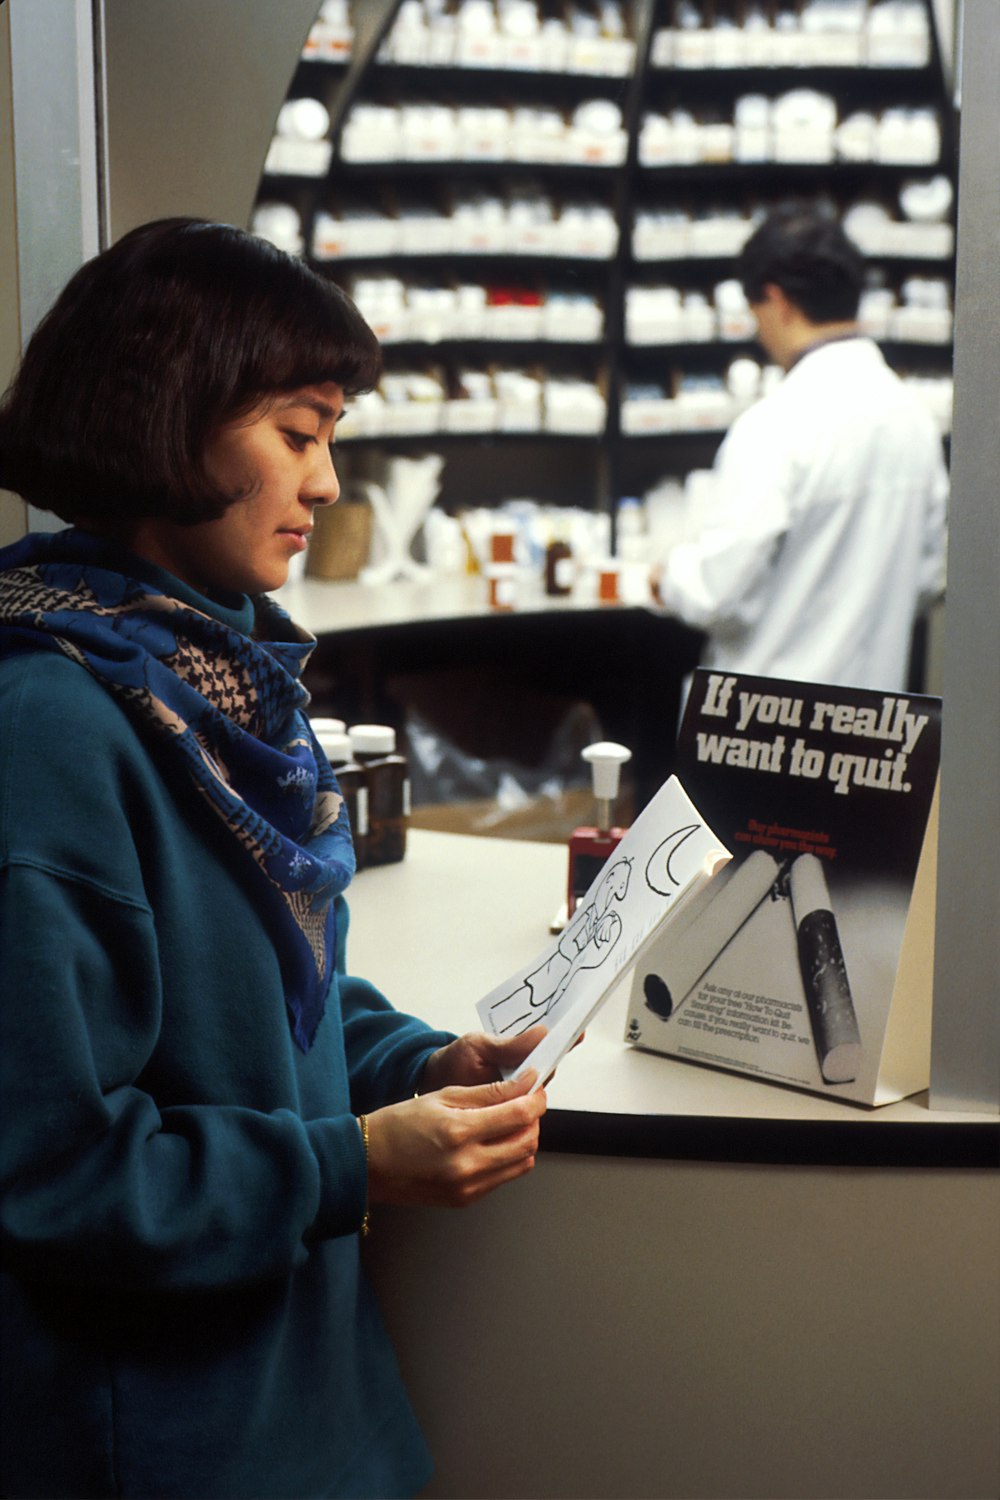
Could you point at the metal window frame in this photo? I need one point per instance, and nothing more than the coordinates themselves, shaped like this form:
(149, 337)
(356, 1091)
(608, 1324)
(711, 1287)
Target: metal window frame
(965, 1048)
(60, 179)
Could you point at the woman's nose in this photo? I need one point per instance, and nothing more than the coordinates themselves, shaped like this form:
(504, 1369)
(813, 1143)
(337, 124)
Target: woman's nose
(323, 486)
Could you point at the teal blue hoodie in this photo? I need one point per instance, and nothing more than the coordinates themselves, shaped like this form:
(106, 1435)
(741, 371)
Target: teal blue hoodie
(184, 1314)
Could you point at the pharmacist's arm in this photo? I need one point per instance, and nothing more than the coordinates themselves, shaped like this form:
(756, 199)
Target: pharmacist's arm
(717, 579)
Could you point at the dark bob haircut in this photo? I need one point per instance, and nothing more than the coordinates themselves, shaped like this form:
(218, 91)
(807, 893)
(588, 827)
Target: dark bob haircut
(804, 250)
(179, 327)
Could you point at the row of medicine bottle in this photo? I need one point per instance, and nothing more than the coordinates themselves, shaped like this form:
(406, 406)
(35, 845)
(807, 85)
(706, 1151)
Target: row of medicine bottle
(375, 782)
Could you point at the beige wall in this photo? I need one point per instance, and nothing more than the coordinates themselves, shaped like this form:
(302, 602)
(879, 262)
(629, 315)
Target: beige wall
(613, 1329)
(193, 90)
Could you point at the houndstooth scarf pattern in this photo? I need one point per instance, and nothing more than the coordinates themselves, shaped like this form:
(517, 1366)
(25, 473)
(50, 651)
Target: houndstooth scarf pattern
(228, 707)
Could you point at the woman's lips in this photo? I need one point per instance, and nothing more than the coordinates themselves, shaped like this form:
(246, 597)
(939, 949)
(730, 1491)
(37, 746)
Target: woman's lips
(297, 535)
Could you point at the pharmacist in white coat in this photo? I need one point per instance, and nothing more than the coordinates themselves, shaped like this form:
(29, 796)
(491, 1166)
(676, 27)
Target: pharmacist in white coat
(823, 536)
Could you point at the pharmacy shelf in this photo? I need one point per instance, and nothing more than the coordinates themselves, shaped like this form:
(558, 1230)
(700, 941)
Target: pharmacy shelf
(483, 438)
(791, 75)
(681, 435)
(771, 175)
(852, 84)
(699, 266)
(774, 176)
(502, 350)
(896, 351)
(628, 188)
(481, 81)
(486, 168)
(516, 265)
(526, 263)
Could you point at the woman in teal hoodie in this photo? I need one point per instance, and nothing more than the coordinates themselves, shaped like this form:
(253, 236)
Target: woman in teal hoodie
(199, 1103)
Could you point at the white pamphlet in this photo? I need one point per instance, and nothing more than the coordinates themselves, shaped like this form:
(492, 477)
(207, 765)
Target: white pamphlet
(667, 855)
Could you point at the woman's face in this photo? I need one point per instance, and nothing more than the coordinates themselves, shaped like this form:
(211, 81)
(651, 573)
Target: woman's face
(278, 461)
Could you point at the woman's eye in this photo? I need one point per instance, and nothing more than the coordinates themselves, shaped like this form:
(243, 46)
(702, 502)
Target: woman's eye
(300, 440)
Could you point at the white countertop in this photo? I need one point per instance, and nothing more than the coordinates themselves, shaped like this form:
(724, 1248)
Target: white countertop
(324, 605)
(439, 930)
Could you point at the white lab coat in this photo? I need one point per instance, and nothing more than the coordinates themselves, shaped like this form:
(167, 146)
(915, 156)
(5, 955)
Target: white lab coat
(824, 532)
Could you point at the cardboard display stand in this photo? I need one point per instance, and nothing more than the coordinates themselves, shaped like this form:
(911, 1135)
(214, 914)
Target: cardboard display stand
(809, 960)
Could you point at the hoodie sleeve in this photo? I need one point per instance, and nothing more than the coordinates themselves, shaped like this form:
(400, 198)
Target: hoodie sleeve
(99, 1184)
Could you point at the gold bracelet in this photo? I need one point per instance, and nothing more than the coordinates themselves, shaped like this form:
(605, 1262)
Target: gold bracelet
(366, 1220)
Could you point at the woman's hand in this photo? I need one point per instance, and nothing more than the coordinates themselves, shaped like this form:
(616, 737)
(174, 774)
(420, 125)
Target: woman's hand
(455, 1145)
(478, 1058)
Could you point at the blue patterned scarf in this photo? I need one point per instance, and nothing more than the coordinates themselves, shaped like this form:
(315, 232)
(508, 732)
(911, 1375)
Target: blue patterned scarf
(229, 708)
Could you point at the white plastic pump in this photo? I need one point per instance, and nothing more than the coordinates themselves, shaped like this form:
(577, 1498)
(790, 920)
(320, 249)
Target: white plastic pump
(606, 760)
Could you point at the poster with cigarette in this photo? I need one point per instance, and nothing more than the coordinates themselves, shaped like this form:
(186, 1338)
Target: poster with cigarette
(809, 960)
(668, 856)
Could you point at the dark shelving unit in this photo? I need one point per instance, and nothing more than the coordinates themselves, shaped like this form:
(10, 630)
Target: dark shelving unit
(612, 461)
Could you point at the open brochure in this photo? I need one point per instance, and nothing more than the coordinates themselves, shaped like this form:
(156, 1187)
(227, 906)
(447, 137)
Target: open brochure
(811, 964)
(665, 858)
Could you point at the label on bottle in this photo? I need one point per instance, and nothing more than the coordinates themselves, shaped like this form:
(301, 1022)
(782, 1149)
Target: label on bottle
(362, 809)
(563, 573)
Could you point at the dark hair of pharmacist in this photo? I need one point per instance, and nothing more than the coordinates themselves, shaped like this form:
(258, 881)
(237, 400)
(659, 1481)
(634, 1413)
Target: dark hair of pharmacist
(180, 326)
(804, 251)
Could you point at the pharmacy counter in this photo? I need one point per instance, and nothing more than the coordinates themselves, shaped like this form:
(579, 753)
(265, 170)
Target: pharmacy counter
(708, 1287)
(324, 605)
(472, 908)
(629, 662)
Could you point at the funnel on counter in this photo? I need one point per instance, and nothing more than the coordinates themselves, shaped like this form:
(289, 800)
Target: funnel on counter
(400, 509)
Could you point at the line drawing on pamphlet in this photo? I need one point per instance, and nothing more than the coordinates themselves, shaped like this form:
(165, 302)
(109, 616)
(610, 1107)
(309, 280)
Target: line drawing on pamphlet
(591, 936)
(666, 856)
(585, 944)
(659, 867)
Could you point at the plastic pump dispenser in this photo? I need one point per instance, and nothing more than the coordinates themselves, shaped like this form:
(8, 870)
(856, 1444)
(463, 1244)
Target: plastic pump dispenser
(606, 760)
(589, 847)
